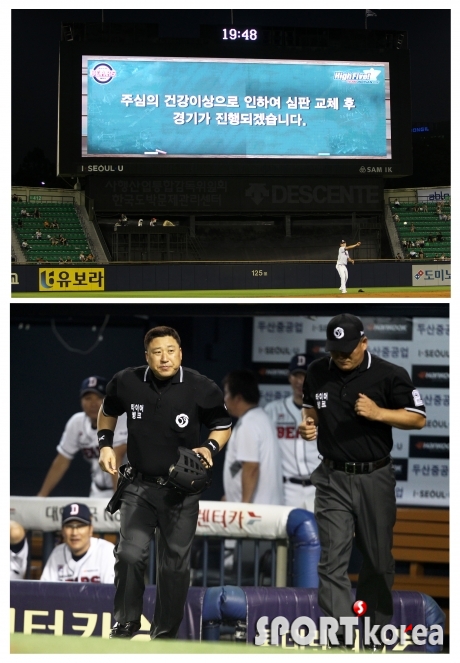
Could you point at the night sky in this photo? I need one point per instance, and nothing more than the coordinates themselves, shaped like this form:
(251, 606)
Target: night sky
(36, 37)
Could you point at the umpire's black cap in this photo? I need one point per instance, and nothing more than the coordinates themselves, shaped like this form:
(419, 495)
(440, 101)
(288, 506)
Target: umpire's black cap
(95, 384)
(344, 333)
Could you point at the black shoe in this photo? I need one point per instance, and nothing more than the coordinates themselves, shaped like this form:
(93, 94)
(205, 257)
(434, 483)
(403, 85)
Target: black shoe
(124, 630)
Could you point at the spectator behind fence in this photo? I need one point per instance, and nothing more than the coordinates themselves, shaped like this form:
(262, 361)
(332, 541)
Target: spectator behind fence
(19, 551)
(80, 434)
(252, 467)
(81, 557)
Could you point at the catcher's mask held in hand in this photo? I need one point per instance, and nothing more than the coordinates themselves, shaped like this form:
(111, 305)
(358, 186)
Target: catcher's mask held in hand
(191, 473)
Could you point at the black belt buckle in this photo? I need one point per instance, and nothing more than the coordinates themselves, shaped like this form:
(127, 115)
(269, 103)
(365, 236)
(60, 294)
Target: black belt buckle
(352, 465)
(150, 478)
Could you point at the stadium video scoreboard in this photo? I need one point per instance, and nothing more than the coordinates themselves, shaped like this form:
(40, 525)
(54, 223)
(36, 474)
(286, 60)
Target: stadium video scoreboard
(239, 100)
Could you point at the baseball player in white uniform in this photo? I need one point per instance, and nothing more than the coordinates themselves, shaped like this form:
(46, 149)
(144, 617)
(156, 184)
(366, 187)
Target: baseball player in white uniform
(80, 434)
(342, 260)
(19, 551)
(82, 557)
(299, 459)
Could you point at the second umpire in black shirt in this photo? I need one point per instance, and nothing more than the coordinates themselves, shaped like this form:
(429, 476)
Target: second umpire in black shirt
(166, 405)
(351, 402)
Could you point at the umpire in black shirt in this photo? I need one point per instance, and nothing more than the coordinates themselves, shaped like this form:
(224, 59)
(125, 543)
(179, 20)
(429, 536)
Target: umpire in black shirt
(351, 402)
(166, 405)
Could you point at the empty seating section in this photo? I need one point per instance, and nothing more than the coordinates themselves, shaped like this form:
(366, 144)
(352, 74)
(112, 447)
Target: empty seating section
(426, 224)
(65, 216)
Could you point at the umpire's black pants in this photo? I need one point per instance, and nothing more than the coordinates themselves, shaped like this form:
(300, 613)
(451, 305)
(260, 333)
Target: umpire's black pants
(147, 507)
(364, 505)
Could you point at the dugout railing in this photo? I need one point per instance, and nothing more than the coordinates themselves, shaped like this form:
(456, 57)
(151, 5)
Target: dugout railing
(276, 546)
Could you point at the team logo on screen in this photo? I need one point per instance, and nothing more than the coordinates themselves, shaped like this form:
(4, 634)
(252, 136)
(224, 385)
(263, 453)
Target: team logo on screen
(364, 76)
(103, 73)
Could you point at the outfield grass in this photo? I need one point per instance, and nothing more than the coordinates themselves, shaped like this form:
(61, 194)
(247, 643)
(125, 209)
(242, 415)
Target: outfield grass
(361, 293)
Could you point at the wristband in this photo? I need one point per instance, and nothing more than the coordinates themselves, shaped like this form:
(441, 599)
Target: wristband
(213, 447)
(105, 438)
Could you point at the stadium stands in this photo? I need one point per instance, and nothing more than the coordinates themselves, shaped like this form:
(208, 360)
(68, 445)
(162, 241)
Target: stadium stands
(69, 226)
(425, 225)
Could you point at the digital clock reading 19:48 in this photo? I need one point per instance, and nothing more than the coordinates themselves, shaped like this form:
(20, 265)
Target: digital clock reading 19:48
(235, 33)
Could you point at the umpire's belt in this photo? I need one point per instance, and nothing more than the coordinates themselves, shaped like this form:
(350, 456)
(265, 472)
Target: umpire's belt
(298, 480)
(150, 478)
(356, 468)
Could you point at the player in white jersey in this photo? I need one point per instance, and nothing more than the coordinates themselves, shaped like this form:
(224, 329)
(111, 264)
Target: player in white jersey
(80, 434)
(299, 458)
(19, 551)
(82, 557)
(342, 260)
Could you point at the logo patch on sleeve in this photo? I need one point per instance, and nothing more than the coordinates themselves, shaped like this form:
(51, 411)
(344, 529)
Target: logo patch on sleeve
(417, 398)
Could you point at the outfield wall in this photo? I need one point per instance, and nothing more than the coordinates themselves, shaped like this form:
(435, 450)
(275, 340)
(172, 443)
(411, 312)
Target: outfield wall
(219, 276)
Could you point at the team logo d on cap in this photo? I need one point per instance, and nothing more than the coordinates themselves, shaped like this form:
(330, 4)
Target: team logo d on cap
(343, 333)
(298, 364)
(95, 384)
(76, 512)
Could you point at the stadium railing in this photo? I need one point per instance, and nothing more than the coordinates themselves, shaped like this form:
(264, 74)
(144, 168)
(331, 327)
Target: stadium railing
(287, 537)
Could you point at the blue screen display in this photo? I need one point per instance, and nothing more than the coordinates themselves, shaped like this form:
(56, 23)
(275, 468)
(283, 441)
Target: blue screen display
(211, 108)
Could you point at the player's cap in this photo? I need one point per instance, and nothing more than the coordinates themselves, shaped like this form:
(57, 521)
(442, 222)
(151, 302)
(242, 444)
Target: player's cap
(343, 333)
(95, 384)
(343, 241)
(298, 364)
(76, 512)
